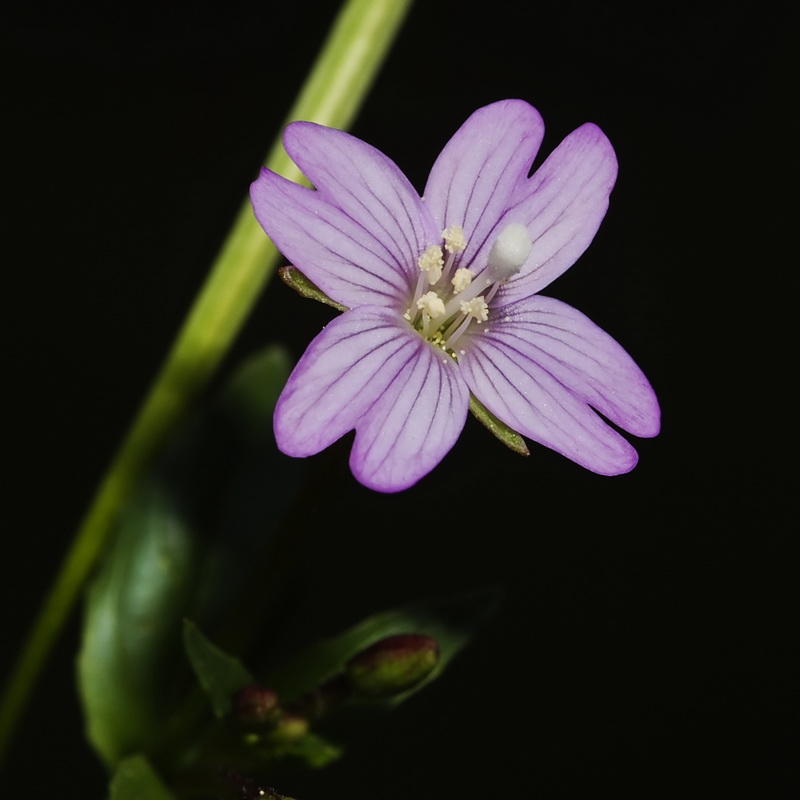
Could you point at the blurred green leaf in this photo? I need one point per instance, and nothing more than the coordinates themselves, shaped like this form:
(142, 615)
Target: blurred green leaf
(313, 750)
(135, 779)
(451, 622)
(188, 544)
(220, 675)
(248, 398)
(129, 627)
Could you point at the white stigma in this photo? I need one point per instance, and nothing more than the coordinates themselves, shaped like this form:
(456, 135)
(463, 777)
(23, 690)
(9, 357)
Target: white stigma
(509, 252)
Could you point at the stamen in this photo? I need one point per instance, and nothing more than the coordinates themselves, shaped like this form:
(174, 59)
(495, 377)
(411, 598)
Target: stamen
(442, 316)
(454, 332)
(454, 241)
(431, 263)
(462, 279)
(432, 308)
(475, 287)
(509, 252)
(475, 309)
(431, 304)
(492, 292)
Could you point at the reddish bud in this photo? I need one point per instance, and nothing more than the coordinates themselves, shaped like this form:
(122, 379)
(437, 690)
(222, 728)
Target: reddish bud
(256, 707)
(392, 665)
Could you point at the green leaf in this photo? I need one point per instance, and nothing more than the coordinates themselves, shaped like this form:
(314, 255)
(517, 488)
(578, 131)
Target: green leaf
(510, 438)
(220, 675)
(194, 535)
(249, 397)
(129, 628)
(292, 277)
(135, 779)
(451, 622)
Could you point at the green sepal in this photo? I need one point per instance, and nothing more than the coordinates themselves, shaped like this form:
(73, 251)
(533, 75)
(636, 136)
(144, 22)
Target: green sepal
(451, 622)
(510, 438)
(135, 779)
(292, 276)
(220, 674)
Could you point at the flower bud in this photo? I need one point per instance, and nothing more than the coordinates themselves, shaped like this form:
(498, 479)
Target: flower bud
(290, 729)
(392, 665)
(256, 706)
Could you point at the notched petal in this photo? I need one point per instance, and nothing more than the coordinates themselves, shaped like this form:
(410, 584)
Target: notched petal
(584, 358)
(344, 259)
(473, 178)
(370, 371)
(367, 186)
(562, 204)
(505, 368)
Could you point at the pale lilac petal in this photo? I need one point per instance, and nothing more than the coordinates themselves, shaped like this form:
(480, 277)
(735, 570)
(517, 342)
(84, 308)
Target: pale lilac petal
(359, 235)
(338, 255)
(584, 358)
(474, 176)
(368, 186)
(538, 366)
(562, 204)
(370, 371)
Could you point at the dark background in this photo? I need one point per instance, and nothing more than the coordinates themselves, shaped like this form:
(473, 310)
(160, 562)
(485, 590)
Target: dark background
(644, 643)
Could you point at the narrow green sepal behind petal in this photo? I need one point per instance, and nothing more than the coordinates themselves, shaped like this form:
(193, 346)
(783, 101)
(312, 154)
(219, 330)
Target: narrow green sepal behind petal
(292, 276)
(510, 438)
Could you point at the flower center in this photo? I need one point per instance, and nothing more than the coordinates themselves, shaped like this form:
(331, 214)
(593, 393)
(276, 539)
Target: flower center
(456, 299)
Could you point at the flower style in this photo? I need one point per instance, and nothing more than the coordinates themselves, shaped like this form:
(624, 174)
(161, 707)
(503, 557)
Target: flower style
(442, 298)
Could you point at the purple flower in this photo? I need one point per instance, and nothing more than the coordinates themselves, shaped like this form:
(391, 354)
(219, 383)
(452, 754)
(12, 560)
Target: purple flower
(442, 298)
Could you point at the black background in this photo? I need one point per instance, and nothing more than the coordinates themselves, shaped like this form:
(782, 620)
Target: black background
(644, 643)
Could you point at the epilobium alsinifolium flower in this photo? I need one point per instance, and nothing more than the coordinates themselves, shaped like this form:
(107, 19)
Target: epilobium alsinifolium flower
(443, 298)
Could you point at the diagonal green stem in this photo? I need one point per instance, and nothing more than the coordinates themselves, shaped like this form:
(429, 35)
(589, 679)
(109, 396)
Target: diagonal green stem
(333, 92)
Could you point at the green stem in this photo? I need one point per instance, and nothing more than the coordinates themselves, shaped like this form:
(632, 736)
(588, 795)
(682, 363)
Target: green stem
(333, 92)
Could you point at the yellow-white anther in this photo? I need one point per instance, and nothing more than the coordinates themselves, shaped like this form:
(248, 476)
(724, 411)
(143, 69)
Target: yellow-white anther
(462, 279)
(431, 304)
(475, 308)
(509, 252)
(454, 241)
(431, 263)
